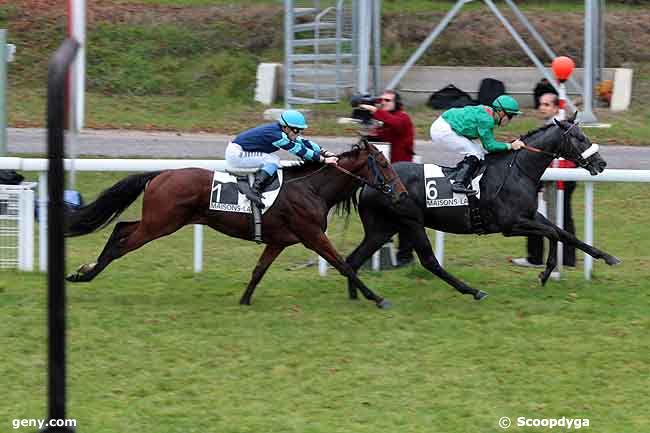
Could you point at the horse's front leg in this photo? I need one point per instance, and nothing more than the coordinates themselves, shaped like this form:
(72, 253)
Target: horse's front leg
(318, 242)
(539, 228)
(271, 252)
(570, 239)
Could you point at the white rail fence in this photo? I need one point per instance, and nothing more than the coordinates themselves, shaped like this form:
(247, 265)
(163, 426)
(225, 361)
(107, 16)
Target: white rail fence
(134, 165)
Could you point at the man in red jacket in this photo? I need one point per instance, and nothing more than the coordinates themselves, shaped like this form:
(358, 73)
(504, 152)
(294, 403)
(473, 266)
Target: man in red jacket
(397, 126)
(398, 130)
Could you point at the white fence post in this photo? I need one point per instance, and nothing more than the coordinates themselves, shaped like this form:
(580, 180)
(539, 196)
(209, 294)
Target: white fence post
(559, 221)
(22, 223)
(27, 230)
(440, 247)
(42, 221)
(198, 248)
(589, 226)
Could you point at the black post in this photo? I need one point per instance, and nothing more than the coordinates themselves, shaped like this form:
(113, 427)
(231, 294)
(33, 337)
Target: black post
(56, 93)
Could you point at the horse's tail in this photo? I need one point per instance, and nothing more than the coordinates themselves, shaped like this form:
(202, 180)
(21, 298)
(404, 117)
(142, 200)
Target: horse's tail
(108, 206)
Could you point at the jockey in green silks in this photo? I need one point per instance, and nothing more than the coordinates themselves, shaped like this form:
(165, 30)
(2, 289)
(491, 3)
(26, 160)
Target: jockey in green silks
(469, 132)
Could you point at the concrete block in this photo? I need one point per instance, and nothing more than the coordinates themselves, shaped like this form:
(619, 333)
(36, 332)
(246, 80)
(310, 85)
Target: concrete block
(622, 93)
(266, 88)
(273, 114)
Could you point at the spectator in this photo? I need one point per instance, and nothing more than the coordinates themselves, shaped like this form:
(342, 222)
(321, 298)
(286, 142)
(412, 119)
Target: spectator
(544, 86)
(397, 128)
(549, 108)
(398, 131)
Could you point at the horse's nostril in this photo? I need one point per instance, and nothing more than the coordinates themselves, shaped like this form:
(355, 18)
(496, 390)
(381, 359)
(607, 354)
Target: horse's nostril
(403, 195)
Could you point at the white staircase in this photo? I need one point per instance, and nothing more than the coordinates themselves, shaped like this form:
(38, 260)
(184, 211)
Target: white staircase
(319, 51)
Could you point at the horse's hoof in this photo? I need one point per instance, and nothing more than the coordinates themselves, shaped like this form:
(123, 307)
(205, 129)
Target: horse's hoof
(611, 260)
(246, 302)
(73, 278)
(480, 295)
(384, 304)
(543, 277)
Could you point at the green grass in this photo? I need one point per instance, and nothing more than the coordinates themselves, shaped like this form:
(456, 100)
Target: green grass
(154, 347)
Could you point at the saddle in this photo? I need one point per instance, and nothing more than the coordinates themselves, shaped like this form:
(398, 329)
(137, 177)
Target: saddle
(450, 172)
(477, 211)
(245, 178)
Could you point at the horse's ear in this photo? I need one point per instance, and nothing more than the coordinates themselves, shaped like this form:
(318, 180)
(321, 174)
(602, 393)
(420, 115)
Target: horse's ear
(572, 119)
(557, 122)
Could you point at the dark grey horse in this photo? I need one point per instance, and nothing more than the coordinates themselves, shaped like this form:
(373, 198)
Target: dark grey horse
(508, 203)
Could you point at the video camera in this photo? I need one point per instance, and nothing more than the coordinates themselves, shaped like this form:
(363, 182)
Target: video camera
(364, 116)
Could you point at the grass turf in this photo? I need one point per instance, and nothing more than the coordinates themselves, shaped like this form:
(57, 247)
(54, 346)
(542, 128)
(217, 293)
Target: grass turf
(154, 347)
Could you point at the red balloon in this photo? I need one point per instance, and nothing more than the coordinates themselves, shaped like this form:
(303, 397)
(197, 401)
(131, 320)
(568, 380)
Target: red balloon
(563, 67)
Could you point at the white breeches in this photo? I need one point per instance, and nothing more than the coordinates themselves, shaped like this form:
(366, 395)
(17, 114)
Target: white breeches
(237, 157)
(444, 137)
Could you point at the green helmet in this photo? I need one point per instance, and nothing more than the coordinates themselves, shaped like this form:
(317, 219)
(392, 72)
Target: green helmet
(506, 103)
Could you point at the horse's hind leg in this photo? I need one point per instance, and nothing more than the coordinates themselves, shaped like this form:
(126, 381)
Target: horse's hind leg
(372, 241)
(110, 252)
(319, 243)
(428, 260)
(271, 252)
(127, 237)
(570, 239)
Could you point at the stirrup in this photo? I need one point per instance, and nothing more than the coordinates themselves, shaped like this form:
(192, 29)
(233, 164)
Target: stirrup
(256, 199)
(462, 189)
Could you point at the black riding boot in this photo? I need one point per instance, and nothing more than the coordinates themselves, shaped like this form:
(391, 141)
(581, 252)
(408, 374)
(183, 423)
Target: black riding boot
(463, 178)
(262, 179)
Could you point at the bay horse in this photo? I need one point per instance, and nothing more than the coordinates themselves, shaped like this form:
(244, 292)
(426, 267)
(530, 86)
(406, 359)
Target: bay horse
(508, 203)
(175, 198)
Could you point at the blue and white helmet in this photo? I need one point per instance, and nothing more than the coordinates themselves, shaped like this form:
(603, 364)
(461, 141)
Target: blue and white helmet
(293, 119)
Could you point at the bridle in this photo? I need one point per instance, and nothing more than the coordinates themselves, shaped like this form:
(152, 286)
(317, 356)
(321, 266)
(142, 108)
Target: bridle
(380, 183)
(581, 159)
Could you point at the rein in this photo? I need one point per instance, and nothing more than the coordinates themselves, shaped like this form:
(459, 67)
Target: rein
(536, 150)
(307, 175)
(345, 171)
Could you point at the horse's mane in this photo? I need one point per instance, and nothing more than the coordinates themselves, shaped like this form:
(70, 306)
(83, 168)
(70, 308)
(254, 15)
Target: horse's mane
(536, 131)
(303, 168)
(346, 204)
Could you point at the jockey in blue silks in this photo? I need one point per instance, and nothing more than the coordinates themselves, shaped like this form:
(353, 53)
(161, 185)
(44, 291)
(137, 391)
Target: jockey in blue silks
(255, 148)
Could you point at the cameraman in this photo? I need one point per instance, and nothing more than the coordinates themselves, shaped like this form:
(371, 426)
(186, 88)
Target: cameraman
(398, 130)
(397, 126)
